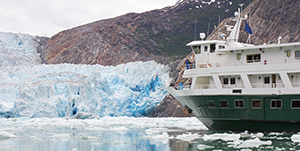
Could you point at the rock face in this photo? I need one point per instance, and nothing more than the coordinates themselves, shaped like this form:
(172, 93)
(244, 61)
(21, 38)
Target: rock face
(269, 20)
(158, 35)
(170, 107)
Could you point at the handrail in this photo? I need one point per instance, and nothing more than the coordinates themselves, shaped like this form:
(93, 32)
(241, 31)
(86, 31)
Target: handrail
(237, 63)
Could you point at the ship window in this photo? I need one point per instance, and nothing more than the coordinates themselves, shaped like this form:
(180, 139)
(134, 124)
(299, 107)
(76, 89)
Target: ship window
(225, 81)
(297, 54)
(224, 103)
(256, 104)
(288, 53)
(267, 80)
(276, 104)
(212, 47)
(239, 103)
(197, 49)
(253, 58)
(238, 56)
(221, 47)
(205, 48)
(210, 103)
(232, 80)
(295, 104)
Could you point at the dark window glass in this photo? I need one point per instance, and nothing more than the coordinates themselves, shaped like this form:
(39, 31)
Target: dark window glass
(205, 48)
(267, 80)
(295, 103)
(276, 103)
(232, 80)
(212, 47)
(210, 103)
(257, 58)
(253, 58)
(297, 54)
(221, 47)
(225, 81)
(256, 103)
(224, 103)
(239, 103)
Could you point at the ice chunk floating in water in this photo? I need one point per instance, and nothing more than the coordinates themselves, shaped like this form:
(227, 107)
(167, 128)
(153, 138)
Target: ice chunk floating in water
(132, 89)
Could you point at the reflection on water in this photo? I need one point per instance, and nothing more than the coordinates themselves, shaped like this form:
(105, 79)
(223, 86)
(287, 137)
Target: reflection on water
(133, 134)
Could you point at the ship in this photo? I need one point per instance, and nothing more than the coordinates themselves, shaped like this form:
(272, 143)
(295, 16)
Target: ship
(235, 86)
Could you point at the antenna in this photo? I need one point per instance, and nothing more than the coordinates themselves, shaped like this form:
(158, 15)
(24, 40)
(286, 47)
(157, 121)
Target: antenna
(195, 29)
(208, 26)
(241, 5)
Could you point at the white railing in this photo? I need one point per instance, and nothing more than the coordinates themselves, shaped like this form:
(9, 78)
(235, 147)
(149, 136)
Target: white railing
(227, 86)
(297, 84)
(205, 86)
(274, 85)
(226, 64)
(239, 86)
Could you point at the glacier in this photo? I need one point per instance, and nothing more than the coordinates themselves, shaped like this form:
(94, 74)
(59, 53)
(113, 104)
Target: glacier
(18, 49)
(31, 89)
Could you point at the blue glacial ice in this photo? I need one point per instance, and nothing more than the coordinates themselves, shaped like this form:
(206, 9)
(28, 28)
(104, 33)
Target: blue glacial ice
(132, 89)
(31, 89)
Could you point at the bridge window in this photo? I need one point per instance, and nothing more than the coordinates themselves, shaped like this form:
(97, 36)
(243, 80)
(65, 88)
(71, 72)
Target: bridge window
(197, 49)
(253, 58)
(276, 104)
(205, 48)
(212, 47)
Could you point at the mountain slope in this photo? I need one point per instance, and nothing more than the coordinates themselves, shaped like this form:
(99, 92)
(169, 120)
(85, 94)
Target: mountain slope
(158, 35)
(269, 20)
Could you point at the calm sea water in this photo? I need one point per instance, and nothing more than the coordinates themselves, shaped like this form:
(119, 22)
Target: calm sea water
(132, 134)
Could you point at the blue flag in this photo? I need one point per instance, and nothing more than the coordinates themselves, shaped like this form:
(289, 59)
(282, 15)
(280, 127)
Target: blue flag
(248, 29)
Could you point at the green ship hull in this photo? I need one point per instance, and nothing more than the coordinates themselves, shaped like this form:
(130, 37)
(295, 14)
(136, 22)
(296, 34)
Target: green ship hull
(240, 112)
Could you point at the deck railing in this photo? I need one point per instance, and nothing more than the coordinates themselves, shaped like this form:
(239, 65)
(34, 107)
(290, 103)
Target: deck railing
(240, 86)
(273, 85)
(205, 86)
(238, 63)
(297, 84)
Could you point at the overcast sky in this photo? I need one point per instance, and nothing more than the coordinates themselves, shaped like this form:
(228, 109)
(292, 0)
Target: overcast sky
(48, 17)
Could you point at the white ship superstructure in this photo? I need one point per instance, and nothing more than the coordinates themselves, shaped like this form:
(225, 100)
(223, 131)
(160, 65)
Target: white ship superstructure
(233, 82)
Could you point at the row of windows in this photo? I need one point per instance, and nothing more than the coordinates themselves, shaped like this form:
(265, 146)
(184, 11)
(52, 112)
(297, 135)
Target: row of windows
(211, 48)
(255, 104)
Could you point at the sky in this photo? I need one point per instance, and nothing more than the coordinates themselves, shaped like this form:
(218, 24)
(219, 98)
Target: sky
(48, 17)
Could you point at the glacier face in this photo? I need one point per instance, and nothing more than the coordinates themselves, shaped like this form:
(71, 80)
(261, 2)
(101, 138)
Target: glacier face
(132, 89)
(18, 49)
(31, 89)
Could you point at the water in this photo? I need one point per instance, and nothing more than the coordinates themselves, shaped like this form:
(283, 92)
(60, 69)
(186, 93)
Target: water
(132, 134)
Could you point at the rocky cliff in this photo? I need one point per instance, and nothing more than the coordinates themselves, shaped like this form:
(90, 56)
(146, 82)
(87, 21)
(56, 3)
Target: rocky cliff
(158, 35)
(269, 20)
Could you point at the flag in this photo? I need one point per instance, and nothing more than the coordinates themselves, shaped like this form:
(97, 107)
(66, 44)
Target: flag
(248, 29)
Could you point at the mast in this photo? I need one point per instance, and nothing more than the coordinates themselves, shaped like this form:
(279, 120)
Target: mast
(234, 34)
